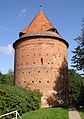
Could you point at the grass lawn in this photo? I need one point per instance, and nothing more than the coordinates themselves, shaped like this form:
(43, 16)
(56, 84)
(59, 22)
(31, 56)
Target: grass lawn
(81, 111)
(47, 113)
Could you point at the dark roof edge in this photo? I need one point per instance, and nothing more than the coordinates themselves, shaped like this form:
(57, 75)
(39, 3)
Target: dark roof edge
(41, 35)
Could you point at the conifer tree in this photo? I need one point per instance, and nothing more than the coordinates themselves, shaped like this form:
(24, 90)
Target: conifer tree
(78, 58)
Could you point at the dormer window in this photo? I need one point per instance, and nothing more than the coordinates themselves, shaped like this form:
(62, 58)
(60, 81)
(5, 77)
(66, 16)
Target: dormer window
(53, 30)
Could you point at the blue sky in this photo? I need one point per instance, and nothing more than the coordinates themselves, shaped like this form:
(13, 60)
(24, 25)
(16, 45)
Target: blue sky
(15, 15)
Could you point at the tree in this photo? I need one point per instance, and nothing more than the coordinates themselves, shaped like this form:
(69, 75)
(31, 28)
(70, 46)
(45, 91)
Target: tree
(82, 93)
(1, 77)
(7, 78)
(76, 88)
(78, 58)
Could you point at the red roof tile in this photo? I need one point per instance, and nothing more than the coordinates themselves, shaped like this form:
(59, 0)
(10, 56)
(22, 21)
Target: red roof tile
(39, 23)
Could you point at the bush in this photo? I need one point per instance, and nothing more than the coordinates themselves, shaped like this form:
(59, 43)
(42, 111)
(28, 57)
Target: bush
(7, 78)
(76, 88)
(16, 98)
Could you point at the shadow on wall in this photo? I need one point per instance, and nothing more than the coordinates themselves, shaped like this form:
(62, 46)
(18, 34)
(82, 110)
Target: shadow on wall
(60, 93)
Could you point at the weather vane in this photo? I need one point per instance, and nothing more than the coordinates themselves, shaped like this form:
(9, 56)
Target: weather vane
(40, 4)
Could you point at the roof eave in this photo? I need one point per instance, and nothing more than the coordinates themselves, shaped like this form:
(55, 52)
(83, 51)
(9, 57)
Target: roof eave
(41, 34)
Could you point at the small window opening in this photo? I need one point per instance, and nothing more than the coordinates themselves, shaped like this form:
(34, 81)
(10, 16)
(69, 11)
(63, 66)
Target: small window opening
(38, 71)
(42, 61)
(32, 81)
(34, 54)
(24, 81)
(33, 62)
(52, 62)
(47, 81)
(53, 30)
(39, 81)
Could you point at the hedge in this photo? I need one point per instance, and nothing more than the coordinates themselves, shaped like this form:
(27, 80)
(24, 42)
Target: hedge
(16, 98)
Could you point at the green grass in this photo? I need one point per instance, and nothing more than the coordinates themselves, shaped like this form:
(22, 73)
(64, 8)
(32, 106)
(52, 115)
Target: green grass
(47, 113)
(81, 111)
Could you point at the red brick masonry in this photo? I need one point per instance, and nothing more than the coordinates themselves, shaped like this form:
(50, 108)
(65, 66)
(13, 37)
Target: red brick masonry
(41, 63)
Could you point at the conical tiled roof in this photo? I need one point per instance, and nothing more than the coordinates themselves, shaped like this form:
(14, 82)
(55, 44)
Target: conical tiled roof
(40, 27)
(39, 23)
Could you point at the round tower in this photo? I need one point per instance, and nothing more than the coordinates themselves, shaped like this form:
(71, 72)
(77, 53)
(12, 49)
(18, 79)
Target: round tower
(41, 61)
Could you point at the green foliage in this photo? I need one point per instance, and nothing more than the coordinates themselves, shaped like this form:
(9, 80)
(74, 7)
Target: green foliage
(48, 113)
(78, 58)
(16, 98)
(1, 77)
(7, 78)
(82, 93)
(76, 87)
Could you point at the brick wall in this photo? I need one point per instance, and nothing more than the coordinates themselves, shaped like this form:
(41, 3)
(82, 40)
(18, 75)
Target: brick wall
(41, 63)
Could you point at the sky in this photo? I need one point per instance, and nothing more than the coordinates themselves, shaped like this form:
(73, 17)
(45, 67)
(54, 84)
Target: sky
(15, 15)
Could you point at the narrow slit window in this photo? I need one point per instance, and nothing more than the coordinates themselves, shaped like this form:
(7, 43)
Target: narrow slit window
(42, 61)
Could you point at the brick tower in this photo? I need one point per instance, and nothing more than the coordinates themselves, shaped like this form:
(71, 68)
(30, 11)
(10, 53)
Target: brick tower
(41, 61)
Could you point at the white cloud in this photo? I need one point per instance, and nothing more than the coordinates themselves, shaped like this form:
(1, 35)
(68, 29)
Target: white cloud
(23, 13)
(6, 50)
(10, 49)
